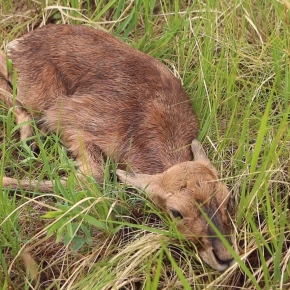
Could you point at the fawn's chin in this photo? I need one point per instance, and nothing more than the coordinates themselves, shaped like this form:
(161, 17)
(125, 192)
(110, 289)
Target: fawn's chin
(210, 258)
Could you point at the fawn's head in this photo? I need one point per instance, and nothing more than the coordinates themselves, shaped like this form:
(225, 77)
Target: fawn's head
(192, 195)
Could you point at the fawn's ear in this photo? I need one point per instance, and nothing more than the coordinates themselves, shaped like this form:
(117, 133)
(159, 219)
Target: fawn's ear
(138, 180)
(200, 155)
(198, 152)
(151, 184)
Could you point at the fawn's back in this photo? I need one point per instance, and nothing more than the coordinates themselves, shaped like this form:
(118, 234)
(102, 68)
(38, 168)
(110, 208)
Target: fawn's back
(132, 106)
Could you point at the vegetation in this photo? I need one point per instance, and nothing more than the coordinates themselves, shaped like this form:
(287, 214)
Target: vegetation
(233, 59)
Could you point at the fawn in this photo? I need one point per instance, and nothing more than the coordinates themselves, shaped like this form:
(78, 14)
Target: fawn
(108, 99)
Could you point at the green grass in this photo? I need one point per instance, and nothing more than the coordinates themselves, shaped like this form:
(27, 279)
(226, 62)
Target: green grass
(233, 59)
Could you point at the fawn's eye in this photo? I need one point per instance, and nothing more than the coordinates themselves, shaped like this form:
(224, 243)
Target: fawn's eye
(183, 185)
(176, 214)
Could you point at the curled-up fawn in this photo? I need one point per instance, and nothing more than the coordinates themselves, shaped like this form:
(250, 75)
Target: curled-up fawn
(108, 99)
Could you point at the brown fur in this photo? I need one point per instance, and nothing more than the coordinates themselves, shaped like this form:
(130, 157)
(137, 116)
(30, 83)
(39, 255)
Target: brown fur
(108, 99)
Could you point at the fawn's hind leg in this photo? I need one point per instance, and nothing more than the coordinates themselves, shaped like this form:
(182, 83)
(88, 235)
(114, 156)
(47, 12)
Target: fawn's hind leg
(88, 155)
(21, 115)
(89, 161)
(64, 117)
(30, 185)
